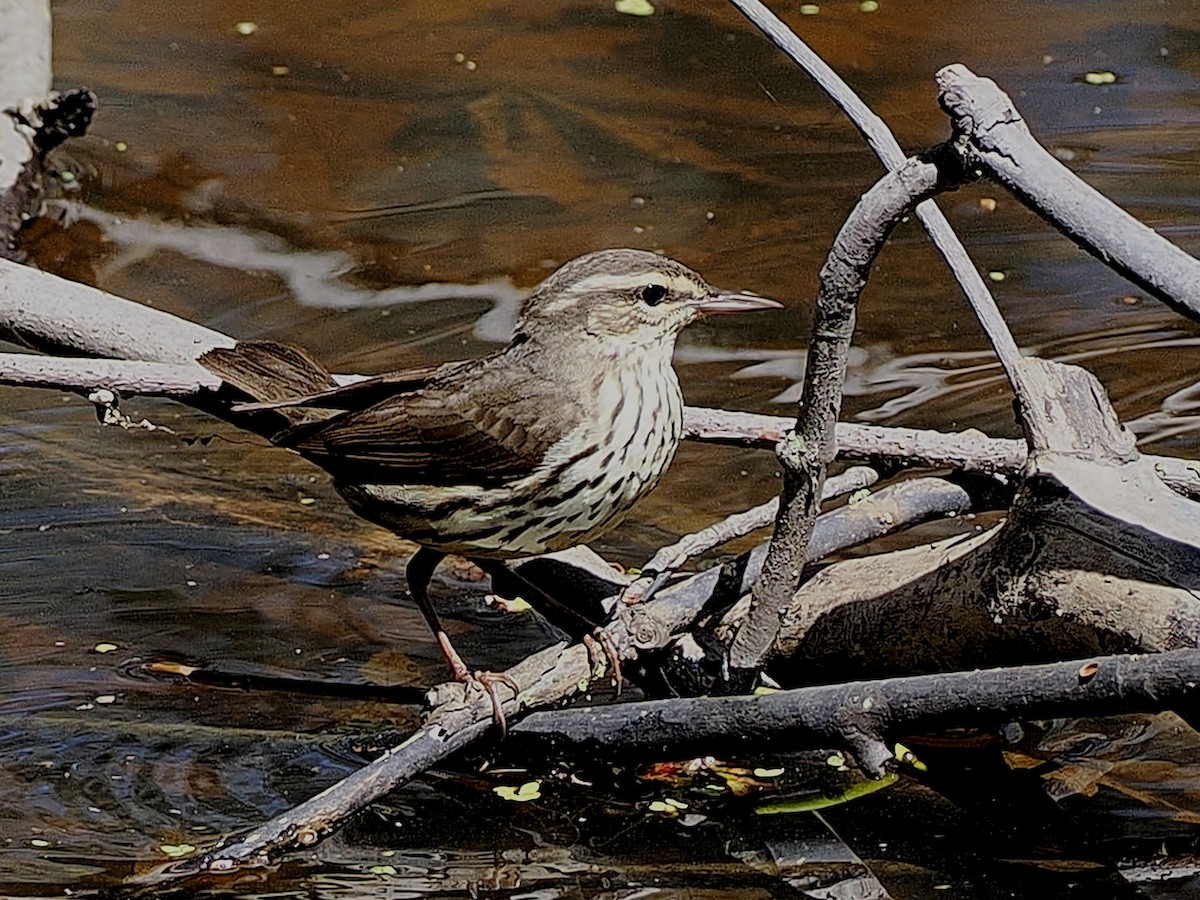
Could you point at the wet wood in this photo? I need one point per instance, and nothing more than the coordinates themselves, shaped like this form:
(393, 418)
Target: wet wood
(881, 712)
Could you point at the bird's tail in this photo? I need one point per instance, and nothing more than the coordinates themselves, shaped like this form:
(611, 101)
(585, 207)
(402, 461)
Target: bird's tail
(268, 372)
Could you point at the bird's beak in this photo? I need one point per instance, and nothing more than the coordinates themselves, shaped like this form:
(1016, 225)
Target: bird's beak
(720, 303)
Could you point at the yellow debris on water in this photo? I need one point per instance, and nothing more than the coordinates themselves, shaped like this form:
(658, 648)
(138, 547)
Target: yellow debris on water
(634, 7)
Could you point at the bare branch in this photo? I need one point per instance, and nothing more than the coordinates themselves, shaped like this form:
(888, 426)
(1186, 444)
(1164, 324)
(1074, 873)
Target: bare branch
(994, 136)
(668, 560)
(807, 451)
(827, 716)
(881, 140)
(969, 451)
(49, 313)
(127, 376)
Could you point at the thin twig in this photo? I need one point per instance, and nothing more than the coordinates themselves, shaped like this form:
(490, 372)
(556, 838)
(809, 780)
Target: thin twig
(668, 560)
(969, 451)
(884, 143)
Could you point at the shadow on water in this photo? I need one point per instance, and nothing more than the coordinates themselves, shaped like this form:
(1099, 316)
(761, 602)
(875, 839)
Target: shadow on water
(383, 185)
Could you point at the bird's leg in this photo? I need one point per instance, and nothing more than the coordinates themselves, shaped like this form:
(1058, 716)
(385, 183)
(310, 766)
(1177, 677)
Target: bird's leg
(418, 573)
(595, 637)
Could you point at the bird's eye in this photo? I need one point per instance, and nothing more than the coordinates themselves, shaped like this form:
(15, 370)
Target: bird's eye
(653, 294)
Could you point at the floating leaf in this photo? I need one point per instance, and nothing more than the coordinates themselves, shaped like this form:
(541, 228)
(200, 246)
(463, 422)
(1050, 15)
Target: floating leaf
(808, 804)
(174, 851)
(530, 790)
(634, 7)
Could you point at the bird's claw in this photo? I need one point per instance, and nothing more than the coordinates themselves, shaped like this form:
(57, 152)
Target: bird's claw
(487, 682)
(598, 642)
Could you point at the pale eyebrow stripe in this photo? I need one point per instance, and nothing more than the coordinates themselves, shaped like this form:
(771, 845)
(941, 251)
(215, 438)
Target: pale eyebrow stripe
(601, 281)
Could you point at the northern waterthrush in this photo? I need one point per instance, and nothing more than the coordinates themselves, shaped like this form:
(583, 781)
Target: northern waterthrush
(540, 446)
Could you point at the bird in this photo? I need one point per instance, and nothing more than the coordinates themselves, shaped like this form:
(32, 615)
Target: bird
(540, 446)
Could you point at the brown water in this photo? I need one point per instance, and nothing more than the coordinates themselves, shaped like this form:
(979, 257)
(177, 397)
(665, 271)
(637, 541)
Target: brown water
(304, 182)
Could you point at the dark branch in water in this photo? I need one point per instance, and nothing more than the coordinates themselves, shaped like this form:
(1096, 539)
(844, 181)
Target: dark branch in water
(874, 713)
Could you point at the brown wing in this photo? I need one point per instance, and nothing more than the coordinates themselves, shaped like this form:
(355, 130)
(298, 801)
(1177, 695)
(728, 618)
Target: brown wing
(267, 370)
(478, 424)
(354, 395)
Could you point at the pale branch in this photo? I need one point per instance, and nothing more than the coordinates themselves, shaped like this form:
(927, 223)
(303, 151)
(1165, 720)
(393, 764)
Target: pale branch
(807, 451)
(884, 144)
(968, 451)
(669, 559)
(875, 714)
(992, 135)
(971, 451)
(886, 511)
(183, 381)
(55, 315)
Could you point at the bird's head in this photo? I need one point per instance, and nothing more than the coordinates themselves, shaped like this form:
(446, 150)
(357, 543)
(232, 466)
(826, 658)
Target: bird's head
(636, 297)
